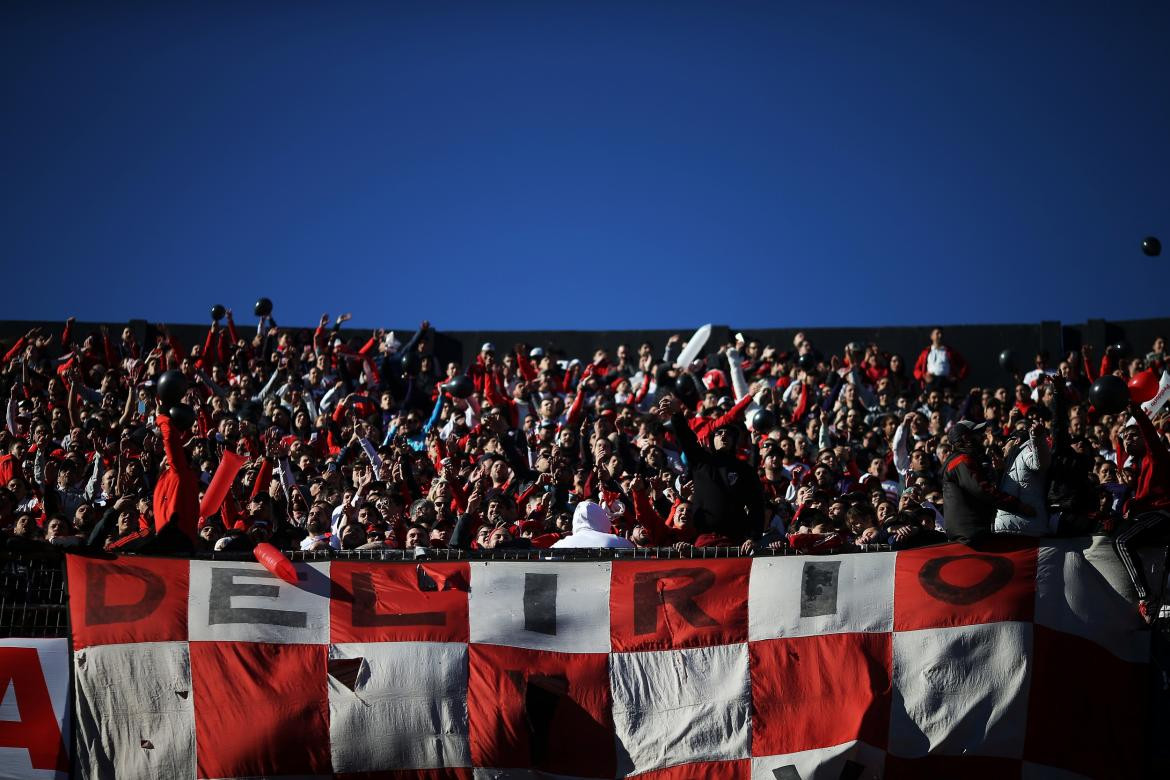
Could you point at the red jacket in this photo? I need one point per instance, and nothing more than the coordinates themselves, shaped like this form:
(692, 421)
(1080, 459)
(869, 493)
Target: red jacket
(958, 364)
(1153, 482)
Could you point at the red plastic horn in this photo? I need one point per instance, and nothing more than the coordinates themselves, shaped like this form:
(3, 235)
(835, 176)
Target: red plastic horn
(276, 562)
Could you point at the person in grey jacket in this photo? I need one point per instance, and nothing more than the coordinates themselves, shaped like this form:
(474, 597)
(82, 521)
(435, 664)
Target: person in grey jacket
(1025, 476)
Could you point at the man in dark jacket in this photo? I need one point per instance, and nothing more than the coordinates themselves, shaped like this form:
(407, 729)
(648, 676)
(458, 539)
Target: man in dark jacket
(728, 503)
(970, 499)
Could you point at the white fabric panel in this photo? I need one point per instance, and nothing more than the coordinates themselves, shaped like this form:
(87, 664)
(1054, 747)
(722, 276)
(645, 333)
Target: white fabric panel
(53, 655)
(793, 595)
(408, 709)
(1085, 590)
(961, 690)
(823, 763)
(256, 606)
(135, 711)
(1031, 771)
(675, 706)
(507, 607)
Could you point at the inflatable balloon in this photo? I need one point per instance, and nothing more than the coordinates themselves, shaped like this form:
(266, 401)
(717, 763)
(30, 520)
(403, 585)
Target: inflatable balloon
(276, 562)
(172, 386)
(182, 415)
(1007, 361)
(410, 363)
(694, 346)
(263, 307)
(1109, 394)
(685, 387)
(763, 421)
(1120, 350)
(218, 312)
(217, 490)
(1143, 386)
(1151, 246)
(459, 386)
(807, 361)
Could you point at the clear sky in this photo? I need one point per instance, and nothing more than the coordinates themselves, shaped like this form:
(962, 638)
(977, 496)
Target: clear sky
(592, 165)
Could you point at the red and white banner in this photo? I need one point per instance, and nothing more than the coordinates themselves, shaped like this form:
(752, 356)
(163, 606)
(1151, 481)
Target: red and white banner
(932, 663)
(34, 711)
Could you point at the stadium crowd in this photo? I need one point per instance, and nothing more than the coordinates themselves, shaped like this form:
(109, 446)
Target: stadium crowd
(314, 441)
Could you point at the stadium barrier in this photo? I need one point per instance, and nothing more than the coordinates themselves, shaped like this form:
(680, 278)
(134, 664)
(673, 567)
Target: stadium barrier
(935, 662)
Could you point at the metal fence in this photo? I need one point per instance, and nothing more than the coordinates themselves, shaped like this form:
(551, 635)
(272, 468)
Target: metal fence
(33, 595)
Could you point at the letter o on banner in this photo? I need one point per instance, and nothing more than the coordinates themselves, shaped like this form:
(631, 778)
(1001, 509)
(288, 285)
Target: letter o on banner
(999, 573)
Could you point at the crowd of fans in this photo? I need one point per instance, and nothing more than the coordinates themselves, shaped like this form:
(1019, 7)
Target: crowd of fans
(370, 443)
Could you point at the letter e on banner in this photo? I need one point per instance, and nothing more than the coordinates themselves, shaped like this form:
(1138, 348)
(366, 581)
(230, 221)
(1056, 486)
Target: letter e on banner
(124, 600)
(34, 688)
(669, 604)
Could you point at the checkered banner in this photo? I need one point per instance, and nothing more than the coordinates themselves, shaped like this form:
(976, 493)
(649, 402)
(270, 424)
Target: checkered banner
(941, 662)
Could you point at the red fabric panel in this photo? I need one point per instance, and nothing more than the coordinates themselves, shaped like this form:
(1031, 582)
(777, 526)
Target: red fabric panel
(671, 604)
(127, 600)
(818, 691)
(956, 585)
(260, 709)
(953, 768)
(540, 710)
(401, 610)
(710, 770)
(1086, 707)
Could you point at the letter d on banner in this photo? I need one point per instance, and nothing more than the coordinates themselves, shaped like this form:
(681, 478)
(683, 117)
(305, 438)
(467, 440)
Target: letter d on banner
(123, 600)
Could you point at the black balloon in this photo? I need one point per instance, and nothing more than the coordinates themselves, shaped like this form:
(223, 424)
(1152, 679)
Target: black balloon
(459, 386)
(218, 312)
(763, 421)
(1007, 361)
(410, 363)
(685, 387)
(182, 416)
(172, 386)
(1118, 350)
(1151, 246)
(1109, 394)
(250, 411)
(807, 361)
(263, 307)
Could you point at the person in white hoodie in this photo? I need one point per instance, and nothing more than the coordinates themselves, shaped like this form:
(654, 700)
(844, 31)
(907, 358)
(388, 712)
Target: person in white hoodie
(592, 528)
(1025, 476)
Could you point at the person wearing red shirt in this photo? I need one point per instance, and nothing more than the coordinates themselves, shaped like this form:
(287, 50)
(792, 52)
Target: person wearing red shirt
(939, 365)
(1149, 508)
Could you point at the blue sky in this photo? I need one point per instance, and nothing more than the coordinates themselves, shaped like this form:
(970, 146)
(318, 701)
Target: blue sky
(594, 165)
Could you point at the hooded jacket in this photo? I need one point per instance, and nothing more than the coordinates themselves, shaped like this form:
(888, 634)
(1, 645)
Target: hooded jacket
(591, 528)
(1025, 476)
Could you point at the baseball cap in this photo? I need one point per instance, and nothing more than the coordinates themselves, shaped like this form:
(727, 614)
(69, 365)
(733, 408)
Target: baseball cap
(964, 428)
